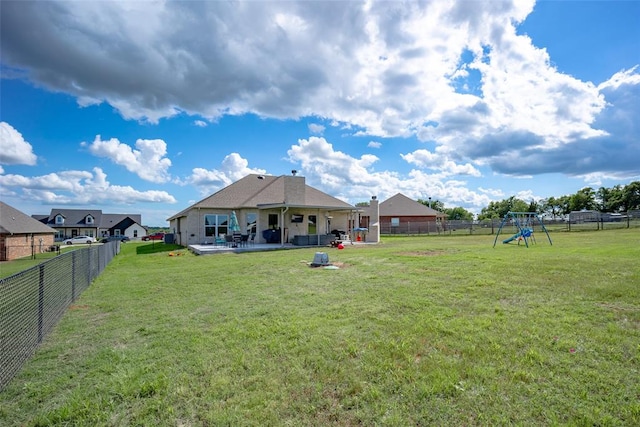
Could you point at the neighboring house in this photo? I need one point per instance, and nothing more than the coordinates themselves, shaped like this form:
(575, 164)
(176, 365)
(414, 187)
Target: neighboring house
(92, 222)
(21, 235)
(122, 225)
(276, 209)
(402, 214)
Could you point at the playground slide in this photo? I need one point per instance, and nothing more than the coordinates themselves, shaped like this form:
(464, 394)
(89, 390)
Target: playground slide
(512, 238)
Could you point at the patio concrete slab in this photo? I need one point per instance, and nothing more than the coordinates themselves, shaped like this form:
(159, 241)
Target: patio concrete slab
(258, 247)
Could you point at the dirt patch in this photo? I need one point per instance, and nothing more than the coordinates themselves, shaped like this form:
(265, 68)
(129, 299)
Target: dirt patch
(335, 264)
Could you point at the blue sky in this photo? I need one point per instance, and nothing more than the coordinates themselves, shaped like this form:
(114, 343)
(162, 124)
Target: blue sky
(146, 107)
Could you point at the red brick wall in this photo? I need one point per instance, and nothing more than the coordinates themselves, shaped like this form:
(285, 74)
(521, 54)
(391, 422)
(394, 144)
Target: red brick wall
(19, 246)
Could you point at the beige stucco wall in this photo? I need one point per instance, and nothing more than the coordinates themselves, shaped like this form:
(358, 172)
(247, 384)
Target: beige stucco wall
(191, 231)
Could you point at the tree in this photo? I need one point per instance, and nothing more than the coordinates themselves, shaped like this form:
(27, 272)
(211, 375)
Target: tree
(362, 204)
(631, 196)
(534, 207)
(501, 208)
(458, 213)
(605, 199)
(435, 204)
(556, 206)
(584, 199)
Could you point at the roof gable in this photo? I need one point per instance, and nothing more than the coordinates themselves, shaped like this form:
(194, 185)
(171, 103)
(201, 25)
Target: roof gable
(401, 205)
(254, 191)
(13, 221)
(76, 217)
(110, 221)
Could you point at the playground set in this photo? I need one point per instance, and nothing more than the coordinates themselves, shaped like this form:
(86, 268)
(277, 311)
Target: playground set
(524, 227)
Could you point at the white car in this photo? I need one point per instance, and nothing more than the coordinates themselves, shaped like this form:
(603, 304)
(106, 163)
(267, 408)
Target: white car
(79, 240)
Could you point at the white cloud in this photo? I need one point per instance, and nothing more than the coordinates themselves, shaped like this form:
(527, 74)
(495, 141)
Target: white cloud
(374, 144)
(353, 179)
(455, 73)
(200, 123)
(624, 77)
(80, 187)
(232, 168)
(148, 161)
(316, 128)
(15, 150)
(438, 162)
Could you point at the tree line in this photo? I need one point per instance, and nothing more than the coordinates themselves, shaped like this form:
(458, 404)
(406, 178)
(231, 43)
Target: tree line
(619, 198)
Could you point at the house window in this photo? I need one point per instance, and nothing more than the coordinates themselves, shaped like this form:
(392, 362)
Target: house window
(135, 233)
(312, 228)
(59, 219)
(395, 222)
(89, 219)
(252, 220)
(215, 225)
(116, 232)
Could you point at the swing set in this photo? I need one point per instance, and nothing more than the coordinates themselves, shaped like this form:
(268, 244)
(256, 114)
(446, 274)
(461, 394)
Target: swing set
(524, 225)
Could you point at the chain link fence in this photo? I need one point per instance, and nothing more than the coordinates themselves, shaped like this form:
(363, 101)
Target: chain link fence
(32, 301)
(576, 221)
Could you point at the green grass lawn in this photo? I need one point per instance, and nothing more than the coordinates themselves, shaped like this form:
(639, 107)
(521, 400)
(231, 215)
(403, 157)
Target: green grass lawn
(413, 331)
(9, 268)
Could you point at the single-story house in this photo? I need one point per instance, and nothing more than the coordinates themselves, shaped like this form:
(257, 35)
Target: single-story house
(272, 209)
(401, 214)
(92, 222)
(129, 225)
(22, 236)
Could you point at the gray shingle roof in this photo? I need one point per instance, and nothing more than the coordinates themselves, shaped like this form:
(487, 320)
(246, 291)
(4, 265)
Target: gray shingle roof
(401, 205)
(254, 190)
(111, 220)
(12, 221)
(76, 217)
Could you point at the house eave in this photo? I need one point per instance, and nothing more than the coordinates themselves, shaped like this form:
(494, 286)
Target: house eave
(297, 206)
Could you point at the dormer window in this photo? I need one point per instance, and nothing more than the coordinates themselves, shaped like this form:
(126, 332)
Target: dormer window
(88, 219)
(59, 219)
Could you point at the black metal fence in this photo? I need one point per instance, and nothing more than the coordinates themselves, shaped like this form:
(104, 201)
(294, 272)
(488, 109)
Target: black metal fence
(32, 301)
(575, 222)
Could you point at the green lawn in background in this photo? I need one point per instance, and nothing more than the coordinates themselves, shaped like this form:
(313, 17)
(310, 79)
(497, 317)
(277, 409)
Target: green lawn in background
(9, 268)
(413, 331)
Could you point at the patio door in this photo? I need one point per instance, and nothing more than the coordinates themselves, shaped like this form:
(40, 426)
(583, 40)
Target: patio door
(312, 227)
(273, 221)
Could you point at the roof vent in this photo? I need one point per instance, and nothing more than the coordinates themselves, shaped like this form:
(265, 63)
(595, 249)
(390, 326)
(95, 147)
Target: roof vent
(260, 176)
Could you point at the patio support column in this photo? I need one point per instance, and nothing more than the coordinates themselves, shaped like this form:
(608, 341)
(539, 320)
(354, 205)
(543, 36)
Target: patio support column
(282, 212)
(317, 227)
